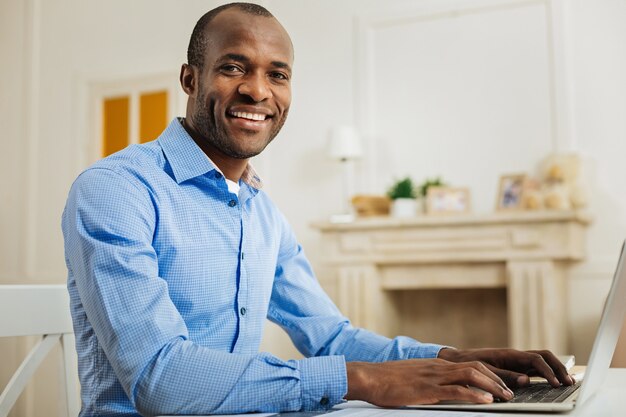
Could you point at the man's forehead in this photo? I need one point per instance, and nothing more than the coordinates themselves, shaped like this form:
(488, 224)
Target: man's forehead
(233, 29)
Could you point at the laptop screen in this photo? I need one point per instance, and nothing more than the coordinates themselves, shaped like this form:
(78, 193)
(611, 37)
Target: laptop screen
(608, 332)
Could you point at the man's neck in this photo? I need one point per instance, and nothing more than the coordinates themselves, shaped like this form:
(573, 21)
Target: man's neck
(232, 168)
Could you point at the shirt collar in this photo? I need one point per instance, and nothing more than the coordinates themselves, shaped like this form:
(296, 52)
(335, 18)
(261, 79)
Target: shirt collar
(189, 161)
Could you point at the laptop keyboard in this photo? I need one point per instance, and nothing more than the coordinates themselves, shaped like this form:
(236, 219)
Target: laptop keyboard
(543, 393)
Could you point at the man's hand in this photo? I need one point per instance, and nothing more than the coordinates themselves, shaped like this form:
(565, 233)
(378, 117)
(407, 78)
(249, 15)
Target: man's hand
(423, 381)
(514, 366)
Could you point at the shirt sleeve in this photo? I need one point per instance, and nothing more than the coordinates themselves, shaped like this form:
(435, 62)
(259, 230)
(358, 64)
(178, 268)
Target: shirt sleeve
(108, 225)
(301, 307)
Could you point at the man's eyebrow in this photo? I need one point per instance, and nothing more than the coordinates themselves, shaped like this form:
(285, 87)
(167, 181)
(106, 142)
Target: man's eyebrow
(245, 59)
(280, 64)
(235, 57)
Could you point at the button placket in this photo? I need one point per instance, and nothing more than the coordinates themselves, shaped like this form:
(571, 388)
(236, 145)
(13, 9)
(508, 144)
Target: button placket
(245, 320)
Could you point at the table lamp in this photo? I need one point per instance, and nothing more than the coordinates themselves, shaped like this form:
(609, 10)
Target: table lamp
(345, 145)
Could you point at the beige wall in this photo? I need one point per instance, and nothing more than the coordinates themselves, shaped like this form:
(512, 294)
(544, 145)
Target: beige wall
(53, 51)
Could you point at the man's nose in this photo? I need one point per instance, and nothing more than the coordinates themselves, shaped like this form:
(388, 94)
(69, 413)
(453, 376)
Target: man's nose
(256, 87)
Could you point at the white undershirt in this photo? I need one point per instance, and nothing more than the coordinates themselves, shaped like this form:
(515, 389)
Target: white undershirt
(233, 186)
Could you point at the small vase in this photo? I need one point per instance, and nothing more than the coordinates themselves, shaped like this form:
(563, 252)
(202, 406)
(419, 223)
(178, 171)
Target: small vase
(404, 207)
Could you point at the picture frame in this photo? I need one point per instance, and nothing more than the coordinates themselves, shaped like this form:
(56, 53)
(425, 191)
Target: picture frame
(511, 191)
(448, 200)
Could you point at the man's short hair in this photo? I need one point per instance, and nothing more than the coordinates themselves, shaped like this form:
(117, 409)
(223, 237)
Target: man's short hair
(199, 39)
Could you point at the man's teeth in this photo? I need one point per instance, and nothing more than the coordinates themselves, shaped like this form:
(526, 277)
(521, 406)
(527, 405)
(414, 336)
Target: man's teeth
(251, 116)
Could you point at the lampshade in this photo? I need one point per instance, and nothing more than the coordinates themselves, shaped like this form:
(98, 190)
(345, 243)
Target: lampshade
(344, 143)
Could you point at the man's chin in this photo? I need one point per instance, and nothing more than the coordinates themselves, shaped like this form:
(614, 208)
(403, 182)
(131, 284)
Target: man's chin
(249, 147)
(242, 156)
(244, 153)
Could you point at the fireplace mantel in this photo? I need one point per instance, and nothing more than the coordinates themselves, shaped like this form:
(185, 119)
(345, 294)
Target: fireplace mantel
(527, 253)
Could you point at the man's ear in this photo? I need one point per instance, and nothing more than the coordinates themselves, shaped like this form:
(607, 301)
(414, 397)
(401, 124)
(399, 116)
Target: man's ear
(189, 79)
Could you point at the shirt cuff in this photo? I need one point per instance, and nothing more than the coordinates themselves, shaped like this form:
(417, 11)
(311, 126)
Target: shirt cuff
(324, 382)
(425, 351)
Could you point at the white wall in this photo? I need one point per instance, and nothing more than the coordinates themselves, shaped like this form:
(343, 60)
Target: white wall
(52, 51)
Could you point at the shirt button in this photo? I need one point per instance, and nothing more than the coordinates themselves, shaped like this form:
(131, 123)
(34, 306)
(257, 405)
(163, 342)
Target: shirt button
(217, 175)
(232, 203)
(243, 311)
(324, 401)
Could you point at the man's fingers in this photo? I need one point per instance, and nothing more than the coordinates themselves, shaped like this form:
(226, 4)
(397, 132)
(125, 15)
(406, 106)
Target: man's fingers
(512, 379)
(476, 374)
(460, 393)
(469, 367)
(516, 366)
(558, 369)
(539, 364)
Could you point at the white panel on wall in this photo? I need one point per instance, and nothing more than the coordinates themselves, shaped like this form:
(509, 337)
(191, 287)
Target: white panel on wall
(466, 88)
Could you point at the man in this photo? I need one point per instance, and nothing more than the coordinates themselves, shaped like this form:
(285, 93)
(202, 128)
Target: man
(175, 259)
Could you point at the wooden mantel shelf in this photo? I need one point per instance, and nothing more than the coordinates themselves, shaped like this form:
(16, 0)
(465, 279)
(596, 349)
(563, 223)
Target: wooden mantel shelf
(511, 217)
(528, 253)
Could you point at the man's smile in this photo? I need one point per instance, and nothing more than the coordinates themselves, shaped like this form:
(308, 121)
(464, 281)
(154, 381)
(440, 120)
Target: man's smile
(249, 116)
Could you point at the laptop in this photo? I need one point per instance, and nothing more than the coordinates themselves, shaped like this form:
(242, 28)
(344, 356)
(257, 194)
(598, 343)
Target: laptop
(595, 373)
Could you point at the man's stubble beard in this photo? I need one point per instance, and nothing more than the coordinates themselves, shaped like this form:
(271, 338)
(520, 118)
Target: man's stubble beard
(207, 127)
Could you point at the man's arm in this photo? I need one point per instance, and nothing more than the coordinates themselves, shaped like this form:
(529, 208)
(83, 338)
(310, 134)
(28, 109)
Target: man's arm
(317, 328)
(108, 225)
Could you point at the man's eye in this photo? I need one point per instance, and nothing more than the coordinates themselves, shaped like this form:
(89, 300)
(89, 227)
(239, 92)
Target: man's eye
(231, 68)
(279, 76)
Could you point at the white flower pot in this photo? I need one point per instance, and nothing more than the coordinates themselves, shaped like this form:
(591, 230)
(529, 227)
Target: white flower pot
(404, 207)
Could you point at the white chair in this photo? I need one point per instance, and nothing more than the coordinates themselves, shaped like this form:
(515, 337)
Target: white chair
(39, 310)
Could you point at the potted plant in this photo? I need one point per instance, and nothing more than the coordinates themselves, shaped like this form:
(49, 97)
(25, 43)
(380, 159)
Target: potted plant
(403, 196)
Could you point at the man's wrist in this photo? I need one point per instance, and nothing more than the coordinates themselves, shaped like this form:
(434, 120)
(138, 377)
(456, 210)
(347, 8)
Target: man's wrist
(357, 380)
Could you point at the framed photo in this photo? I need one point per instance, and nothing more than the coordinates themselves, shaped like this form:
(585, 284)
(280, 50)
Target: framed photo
(447, 200)
(511, 192)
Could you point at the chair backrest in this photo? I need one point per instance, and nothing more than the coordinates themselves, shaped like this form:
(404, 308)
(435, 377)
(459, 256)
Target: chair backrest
(39, 310)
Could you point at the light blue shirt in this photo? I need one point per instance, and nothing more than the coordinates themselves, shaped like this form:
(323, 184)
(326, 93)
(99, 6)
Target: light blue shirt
(171, 278)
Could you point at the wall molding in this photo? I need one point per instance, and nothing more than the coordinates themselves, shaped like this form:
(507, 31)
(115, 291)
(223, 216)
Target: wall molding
(564, 89)
(32, 29)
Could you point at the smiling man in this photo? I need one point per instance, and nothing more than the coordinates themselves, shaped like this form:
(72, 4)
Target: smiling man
(176, 257)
